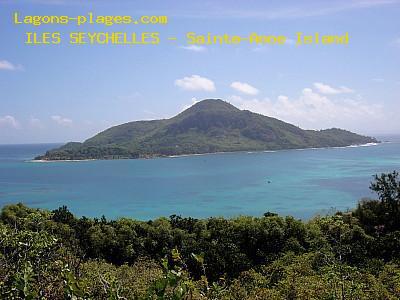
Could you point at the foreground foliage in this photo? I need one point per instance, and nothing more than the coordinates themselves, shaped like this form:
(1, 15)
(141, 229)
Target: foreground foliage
(351, 255)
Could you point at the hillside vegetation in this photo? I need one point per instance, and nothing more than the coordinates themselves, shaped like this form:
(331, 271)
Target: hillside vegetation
(350, 255)
(206, 127)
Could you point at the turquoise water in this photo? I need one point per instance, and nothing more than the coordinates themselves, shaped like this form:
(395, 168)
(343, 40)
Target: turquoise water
(301, 182)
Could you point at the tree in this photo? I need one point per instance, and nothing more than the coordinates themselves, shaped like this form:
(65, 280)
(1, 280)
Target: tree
(387, 186)
(63, 215)
(383, 215)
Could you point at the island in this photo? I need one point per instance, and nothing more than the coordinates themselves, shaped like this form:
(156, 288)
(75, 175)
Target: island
(209, 126)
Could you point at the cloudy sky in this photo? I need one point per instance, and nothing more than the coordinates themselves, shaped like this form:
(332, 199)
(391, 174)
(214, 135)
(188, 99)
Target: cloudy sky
(58, 93)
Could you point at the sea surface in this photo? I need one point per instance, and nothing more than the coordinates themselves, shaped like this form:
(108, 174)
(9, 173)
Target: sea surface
(302, 183)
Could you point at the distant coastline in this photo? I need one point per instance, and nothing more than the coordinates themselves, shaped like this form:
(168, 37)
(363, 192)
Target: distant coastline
(210, 153)
(64, 160)
(209, 126)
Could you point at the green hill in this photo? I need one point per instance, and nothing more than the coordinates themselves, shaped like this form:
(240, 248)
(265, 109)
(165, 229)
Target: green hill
(209, 126)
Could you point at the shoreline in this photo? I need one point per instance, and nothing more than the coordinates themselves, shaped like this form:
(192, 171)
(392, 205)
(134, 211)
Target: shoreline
(279, 150)
(212, 153)
(61, 160)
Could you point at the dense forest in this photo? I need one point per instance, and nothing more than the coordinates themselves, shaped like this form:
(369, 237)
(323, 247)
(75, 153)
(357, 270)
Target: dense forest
(349, 255)
(209, 126)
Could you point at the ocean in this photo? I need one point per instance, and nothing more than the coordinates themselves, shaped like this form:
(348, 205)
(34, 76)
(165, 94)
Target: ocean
(302, 183)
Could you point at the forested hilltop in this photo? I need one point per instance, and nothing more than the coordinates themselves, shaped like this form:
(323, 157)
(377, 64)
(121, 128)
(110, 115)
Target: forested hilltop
(350, 255)
(209, 126)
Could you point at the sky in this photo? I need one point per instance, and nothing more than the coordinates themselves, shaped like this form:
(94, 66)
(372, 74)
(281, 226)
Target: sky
(60, 93)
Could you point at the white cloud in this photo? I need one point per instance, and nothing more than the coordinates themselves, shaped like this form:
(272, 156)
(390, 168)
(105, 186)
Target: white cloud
(244, 88)
(196, 83)
(312, 110)
(193, 102)
(61, 120)
(329, 90)
(194, 48)
(9, 122)
(7, 66)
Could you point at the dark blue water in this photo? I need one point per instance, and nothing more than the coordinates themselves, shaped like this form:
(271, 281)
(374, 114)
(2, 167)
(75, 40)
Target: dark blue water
(296, 182)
